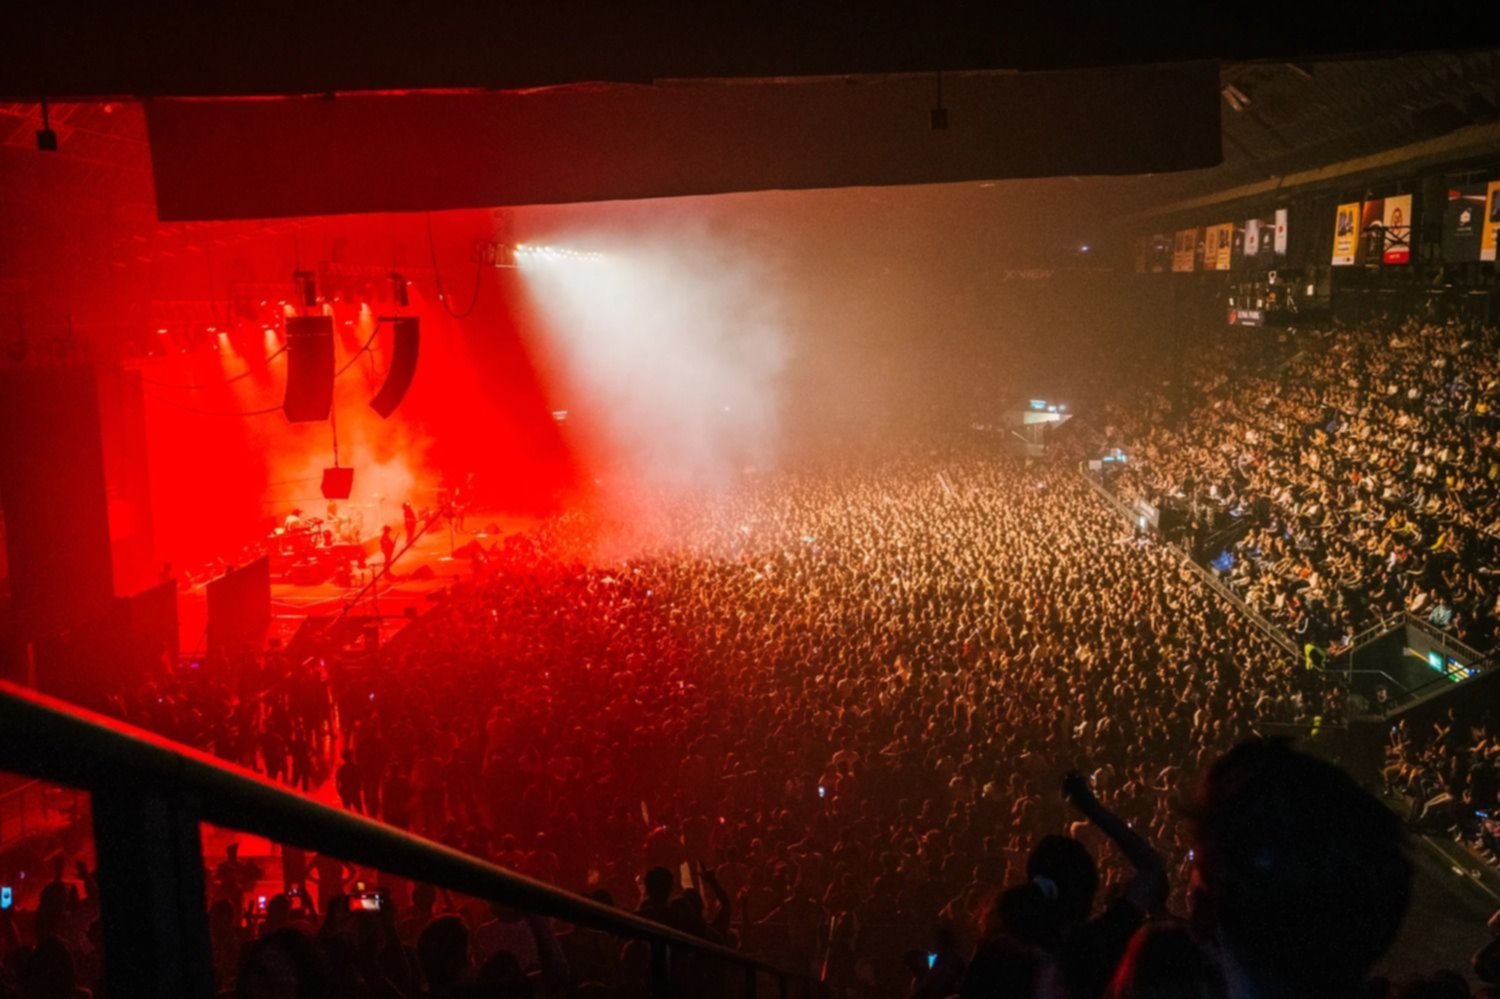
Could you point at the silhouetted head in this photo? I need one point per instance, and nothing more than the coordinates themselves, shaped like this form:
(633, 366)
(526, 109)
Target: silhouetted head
(1302, 878)
(286, 964)
(443, 952)
(1065, 872)
(658, 883)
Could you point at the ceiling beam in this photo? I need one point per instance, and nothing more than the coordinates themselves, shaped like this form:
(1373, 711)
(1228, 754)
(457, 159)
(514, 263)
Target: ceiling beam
(1471, 141)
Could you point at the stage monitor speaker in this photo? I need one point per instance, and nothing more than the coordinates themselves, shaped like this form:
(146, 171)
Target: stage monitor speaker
(309, 372)
(337, 482)
(403, 365)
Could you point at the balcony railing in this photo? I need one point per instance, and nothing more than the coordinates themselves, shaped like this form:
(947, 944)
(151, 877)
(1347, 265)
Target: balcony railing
(150, 795)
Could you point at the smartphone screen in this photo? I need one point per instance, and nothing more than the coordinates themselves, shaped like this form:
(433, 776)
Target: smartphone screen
(7, 898)
(931, 959)
(367, 901)
(685, 876)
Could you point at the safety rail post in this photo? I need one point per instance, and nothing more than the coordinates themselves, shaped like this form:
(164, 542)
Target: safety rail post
(661, 970)
(150, 881)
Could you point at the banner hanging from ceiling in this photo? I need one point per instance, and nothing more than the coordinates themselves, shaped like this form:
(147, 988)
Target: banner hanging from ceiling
(1346, 234)
(1371, 231)
(1160, 259)
(1396, 227)
(1463, 222)
(1491, 222)
(1184, 247)
(1218, 249)
(1265, 238)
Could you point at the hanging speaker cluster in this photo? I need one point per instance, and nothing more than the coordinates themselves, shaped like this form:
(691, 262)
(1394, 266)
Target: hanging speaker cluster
(407, 337)
(309, 368)
(310, 372)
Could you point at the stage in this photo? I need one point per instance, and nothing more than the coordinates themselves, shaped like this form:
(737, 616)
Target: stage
(419, 575)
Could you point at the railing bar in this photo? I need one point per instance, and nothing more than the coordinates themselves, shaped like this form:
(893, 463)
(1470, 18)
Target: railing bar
(58, 742)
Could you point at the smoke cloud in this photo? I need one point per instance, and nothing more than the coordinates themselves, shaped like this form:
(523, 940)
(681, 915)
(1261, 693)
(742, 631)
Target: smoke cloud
(670, 348)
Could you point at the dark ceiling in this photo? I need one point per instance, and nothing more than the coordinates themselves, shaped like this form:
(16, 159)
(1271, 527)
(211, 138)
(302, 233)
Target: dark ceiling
(1281, 118)
(155, 48)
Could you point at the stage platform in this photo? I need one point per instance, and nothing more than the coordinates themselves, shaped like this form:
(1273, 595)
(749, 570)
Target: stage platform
(419, 573)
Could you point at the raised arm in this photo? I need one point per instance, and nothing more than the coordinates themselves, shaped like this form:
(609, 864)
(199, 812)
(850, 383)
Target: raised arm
(1148, 889)
(720, 923)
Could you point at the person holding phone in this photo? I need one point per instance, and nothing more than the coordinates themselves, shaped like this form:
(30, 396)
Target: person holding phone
(940, 971)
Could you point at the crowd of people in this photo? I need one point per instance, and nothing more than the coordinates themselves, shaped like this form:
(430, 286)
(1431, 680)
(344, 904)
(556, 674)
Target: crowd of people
(1361, 463)
(1449, 778)
(822, 717)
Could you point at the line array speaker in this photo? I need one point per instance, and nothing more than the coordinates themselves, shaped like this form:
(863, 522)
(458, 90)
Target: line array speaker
(403, 365)
(309, 372)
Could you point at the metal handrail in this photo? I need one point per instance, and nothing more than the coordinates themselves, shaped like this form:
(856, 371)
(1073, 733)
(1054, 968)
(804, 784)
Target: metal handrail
(1275, 634)
(1271, 631)
(49, 739)
(1422, 624)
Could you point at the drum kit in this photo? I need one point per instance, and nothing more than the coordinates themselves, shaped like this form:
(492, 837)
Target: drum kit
(310, 550)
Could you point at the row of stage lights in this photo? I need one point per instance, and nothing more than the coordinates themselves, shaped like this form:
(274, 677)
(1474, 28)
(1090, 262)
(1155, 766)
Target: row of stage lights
(524, 251)
(249, 327)
(509, 255)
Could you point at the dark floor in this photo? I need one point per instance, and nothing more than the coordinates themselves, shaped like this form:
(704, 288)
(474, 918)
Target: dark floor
(1449, 909)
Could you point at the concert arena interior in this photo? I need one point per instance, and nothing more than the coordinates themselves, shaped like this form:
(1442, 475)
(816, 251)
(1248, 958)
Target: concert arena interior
(818, 502)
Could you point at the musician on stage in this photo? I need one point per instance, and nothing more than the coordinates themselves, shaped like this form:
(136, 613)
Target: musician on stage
(410, 516)
(387, 545)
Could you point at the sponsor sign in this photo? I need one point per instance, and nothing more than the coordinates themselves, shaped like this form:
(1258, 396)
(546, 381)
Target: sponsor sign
(1346, 234)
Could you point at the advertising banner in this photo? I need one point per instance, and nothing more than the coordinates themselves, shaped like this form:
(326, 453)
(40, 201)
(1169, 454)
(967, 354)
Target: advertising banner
(1491, 222)
(1371, 230)
(1346, 234)
(1247, 317)
(1396, 223)
(1161, 253)
(1463, 222)
(1218, 250)
(1252, 238)
(1265, 238)
(1184, 246)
